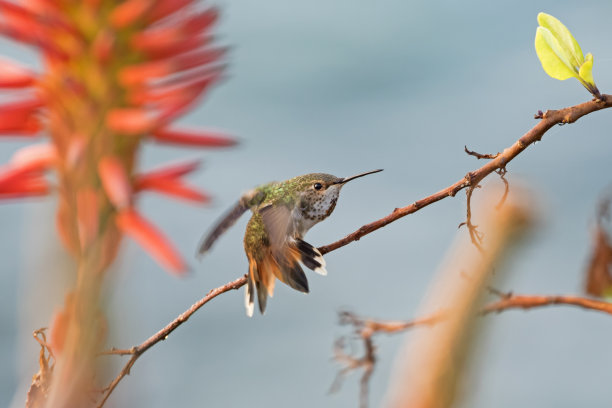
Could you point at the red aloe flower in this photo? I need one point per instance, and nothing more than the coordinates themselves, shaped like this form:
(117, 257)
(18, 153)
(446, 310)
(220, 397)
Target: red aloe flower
(164, 61)
(115, 74)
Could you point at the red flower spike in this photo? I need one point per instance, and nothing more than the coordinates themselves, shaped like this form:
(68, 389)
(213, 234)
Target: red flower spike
(200, 139)
(13, 75)
(151, 239)
(129, 12)
(19, 118)
(115, 181)
(131, 121)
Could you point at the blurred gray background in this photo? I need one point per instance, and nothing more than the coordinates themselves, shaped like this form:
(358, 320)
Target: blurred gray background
(343, 87)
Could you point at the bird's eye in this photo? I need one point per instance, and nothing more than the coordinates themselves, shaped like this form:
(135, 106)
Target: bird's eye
(318, 186)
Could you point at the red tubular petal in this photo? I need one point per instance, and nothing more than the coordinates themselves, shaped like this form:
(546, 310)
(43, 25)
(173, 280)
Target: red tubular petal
(115, 181)
(29, 34)
(57, 332)
(180, 190)
(103, 44)
(129, 12)
(200, 57)
(164, 8)
(26, 186)
(171, 171)
(87, 216)
(165, 39)
(35, 157)
(151, 239)
(200, 139)
(131, 121)
(20, 117)
(13, 75)
(63, 223)
(28, 162)
(173, 187)
(143, 73)
(182, 47)
(179, 88)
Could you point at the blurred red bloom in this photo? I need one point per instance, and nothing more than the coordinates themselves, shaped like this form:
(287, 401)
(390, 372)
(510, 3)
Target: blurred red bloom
(148, 63)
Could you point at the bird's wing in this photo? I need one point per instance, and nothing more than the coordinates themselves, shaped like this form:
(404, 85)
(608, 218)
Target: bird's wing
(248, 200)
(278, 223)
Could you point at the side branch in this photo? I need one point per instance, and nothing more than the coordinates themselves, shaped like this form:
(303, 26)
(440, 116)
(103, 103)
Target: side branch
(548, 120)
(528, 302)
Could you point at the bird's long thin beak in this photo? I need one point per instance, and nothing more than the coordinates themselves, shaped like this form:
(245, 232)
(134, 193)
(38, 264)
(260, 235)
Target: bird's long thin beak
(347, 179)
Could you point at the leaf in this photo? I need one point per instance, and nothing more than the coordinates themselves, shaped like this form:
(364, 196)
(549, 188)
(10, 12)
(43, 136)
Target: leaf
(561, 55)
(554, 61)
(565, 38)
(586, 70)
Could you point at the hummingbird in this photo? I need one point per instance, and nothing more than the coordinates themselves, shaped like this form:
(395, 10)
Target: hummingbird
(283, 212)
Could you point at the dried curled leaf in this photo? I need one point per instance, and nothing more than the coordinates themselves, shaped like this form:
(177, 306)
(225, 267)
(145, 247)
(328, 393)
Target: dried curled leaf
(599, 271)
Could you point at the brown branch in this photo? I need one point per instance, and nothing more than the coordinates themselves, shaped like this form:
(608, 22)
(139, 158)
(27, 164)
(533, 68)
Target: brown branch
(365, 329)
(549, 119)
(163, 334)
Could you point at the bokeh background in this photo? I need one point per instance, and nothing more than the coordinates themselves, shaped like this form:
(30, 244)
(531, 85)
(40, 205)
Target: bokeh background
(343, 87)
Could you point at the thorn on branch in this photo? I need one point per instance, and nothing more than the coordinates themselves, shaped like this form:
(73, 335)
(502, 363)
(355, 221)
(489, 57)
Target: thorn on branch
(539, 115)
(480, 155)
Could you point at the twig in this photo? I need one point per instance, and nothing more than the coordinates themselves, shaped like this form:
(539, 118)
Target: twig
(510, 301)
(549, 119)
(163, 334)
(480, 155)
